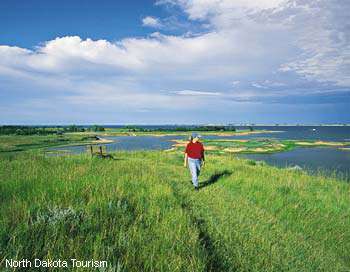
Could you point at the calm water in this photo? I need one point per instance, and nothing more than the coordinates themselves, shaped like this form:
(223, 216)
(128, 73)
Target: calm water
(129, 143)
(312, 159)
(298, 133)
(324, 159)
(326, 133)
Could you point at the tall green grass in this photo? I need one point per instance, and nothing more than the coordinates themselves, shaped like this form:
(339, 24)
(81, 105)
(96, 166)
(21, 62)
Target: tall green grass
(140, 213)
(19, 143)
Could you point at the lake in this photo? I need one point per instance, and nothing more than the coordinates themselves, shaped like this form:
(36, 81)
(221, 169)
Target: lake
(313, 159)
(323, 133)
(129, 143)
(326, 159)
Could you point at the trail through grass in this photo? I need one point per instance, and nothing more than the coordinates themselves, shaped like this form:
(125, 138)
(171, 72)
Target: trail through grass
(140, 213)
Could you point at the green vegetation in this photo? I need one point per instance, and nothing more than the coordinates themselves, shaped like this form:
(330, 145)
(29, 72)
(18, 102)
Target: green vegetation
(172, 132)
(46, 130)
(182, 128)
(96, 128)
(121, 131)
(28, 130)
(140, 213)
(256, 145)
(16, 143)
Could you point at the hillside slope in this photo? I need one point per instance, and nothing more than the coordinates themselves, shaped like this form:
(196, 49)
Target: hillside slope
(140, 213)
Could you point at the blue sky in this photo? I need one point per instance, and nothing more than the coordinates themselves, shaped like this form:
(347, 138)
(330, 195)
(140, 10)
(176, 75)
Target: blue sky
(174, 61)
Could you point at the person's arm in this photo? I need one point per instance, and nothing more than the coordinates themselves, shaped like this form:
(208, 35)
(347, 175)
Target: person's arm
(185, 160)
(203, 157)
(186, 156)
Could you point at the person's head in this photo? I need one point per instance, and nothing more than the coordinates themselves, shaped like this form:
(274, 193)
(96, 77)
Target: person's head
(195, 137)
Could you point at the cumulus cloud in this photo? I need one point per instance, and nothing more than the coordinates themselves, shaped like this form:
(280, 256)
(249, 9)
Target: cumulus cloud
(246, 50)
(204, 57)
(151, 22)
(203, 9)
(318, 31)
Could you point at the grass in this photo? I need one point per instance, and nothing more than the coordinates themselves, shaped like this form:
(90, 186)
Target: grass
(11, 143)
(140, 213)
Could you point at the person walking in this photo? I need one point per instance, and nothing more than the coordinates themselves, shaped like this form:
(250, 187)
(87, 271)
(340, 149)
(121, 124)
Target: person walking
(194, 158)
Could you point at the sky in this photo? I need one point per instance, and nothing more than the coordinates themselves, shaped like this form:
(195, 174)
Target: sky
(174, 62)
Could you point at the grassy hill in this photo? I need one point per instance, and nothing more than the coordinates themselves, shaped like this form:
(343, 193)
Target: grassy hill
(140, 213)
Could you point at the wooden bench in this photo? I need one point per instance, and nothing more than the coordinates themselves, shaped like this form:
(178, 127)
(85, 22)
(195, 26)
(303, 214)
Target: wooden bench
(99, 151)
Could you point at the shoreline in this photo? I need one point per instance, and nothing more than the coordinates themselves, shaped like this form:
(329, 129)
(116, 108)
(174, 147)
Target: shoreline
(243, 145)
(187, 133)
(95, 142)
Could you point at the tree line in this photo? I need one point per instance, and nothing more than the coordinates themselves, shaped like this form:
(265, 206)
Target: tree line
(183, 128)
(46, 130)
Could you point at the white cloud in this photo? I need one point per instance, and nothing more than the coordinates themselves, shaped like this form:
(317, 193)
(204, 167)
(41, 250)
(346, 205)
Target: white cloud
(207, 9)
(267, 84)
(207, 56)
(323, 37)
(197, 93)
(259, 45)
(270, 43)
(257, 85)
(316, 29)
(151, 22)
(265, 41)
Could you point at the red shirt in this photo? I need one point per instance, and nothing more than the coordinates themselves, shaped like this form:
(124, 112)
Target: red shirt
(195, 150)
